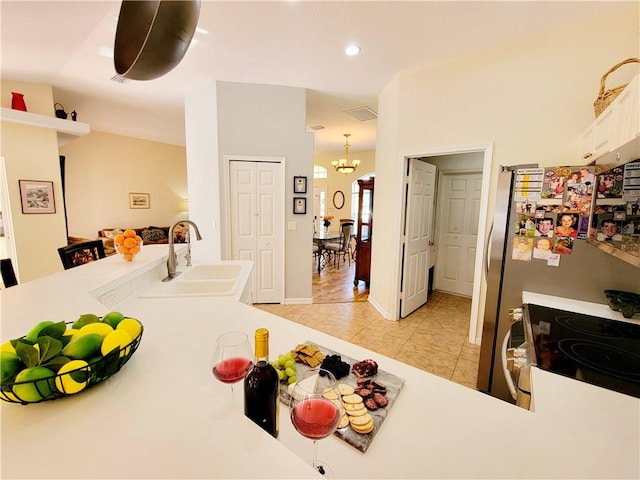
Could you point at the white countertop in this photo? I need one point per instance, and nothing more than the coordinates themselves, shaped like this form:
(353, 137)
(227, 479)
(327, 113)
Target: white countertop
(164, 415)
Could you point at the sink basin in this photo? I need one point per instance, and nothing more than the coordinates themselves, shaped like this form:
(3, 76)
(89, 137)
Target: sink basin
(212, 272)
(217, 279)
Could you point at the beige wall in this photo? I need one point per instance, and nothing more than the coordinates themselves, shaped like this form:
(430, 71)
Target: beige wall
(102, 169)
(532, 99)
(31, 153)
(338, 181)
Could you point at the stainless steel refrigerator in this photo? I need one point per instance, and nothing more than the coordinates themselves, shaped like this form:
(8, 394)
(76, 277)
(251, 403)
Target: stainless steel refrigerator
(582, 275)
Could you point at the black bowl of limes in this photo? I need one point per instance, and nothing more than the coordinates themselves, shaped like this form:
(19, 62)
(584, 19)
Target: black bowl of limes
(626, 303)
(55, 360)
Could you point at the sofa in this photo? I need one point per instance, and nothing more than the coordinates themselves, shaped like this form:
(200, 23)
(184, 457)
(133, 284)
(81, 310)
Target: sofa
(150, 235)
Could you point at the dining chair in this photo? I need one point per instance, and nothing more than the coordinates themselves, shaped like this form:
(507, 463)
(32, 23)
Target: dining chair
(81, 253)
(8, 274)
(343, 247)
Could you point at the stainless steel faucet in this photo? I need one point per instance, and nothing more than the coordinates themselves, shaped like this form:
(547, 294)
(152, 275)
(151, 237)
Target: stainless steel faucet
(172, 261)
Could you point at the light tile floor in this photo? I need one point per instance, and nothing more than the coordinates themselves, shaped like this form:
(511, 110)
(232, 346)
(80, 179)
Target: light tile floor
(434, 338)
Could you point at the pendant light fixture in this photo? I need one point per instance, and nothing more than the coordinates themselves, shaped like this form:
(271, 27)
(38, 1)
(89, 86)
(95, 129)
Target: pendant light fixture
(343, 165)
(153, 36)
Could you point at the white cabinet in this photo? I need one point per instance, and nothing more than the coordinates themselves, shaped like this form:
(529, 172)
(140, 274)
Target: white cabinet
(626, 123)
(617, 125)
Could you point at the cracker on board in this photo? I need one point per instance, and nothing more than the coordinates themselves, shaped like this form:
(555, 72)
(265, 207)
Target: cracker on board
(308, 354)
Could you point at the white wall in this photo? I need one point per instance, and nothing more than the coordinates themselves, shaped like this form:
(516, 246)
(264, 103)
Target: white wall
(532, 98)
(235, 119)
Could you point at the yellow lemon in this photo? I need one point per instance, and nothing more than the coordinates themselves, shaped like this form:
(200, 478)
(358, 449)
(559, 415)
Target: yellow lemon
(102, 329)
(8, 396)
(119, 338)
(131, 326)
(71, 332)
(7, 347)
(73, 376)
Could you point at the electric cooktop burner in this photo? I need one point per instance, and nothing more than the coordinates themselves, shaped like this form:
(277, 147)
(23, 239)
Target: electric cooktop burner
(595, 350)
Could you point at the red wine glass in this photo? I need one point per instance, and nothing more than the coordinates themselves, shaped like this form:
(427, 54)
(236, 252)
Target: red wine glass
(315, 410)
(232, 358)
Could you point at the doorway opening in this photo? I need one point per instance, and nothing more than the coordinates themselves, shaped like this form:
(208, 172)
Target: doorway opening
(335, 282)
(471, 164)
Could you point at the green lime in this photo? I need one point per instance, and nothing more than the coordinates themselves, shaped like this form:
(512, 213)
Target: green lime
(113, 318)
(39, 384)
(83, 347)
(9, 366)
(32, 336)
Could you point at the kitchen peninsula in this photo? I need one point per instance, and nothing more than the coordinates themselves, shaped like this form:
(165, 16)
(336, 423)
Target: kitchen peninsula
(165, 416)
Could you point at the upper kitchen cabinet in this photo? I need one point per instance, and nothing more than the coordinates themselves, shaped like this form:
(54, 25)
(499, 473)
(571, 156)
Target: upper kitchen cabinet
(616, 126)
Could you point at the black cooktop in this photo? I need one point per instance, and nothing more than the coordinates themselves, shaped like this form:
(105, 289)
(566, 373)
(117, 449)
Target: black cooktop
(595, 350)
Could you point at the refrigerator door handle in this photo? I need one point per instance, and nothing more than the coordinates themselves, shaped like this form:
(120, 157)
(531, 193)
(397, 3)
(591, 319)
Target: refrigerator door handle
(485, 255)
(505, 370)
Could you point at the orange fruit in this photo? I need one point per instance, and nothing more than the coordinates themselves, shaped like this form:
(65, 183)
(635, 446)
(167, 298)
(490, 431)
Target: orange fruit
(130, 242)
(128, 257)
(134, 250)
(129, 233)
(138, 238)
(119, 239)
(122, 249)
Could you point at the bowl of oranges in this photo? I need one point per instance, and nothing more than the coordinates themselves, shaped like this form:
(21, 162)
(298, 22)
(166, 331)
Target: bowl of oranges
(128, 244)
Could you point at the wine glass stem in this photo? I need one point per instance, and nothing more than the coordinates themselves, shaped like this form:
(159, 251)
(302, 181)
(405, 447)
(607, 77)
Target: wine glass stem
(232, 404)
(315, 454)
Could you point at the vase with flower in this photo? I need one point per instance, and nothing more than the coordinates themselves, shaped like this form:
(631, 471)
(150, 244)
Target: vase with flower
(326, 221)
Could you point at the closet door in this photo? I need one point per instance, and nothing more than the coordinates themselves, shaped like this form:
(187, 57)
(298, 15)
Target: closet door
(257, 224)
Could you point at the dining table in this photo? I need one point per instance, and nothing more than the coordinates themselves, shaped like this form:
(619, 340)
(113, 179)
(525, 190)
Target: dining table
(321, 238)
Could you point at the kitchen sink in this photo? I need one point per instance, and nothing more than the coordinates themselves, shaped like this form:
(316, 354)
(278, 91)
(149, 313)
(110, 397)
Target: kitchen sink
(216, 279)
(212, 272)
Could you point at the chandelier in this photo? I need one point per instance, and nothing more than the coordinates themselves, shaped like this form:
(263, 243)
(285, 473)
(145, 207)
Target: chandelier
(343, 165)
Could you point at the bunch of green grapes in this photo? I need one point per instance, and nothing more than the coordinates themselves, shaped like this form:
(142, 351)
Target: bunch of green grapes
(285, 365)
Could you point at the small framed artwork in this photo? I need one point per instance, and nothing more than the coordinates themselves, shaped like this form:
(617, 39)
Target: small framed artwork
(299, 184)
(37, 196)
(299, 205)
(139, 200)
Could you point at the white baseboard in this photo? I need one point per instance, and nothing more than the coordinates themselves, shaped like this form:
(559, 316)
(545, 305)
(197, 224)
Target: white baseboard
(297, 301)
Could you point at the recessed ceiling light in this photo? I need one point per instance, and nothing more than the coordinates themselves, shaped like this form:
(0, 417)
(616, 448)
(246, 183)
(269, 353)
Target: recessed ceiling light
(352, 50)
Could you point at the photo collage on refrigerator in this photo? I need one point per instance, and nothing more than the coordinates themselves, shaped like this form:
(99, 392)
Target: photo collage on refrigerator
(553, 211)
(616, 215)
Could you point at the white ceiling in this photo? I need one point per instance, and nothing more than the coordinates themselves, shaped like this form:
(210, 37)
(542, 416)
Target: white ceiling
(292, 43)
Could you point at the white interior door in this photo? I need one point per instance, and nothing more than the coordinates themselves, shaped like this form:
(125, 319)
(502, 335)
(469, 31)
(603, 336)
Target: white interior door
(418, 235)
(257, 224)
(457, 231)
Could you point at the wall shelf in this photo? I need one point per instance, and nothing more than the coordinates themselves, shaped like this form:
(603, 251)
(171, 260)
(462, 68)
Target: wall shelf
(68, 127)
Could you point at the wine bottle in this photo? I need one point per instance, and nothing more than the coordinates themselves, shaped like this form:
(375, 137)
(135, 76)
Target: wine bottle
(261, 387)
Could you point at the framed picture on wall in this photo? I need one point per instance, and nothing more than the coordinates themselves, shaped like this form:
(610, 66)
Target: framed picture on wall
(299, 184)
(139, 200)
(299, 205)
(37, 196)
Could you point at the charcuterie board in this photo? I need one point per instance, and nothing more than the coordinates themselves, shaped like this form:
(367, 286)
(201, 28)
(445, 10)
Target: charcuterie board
(392, 383)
